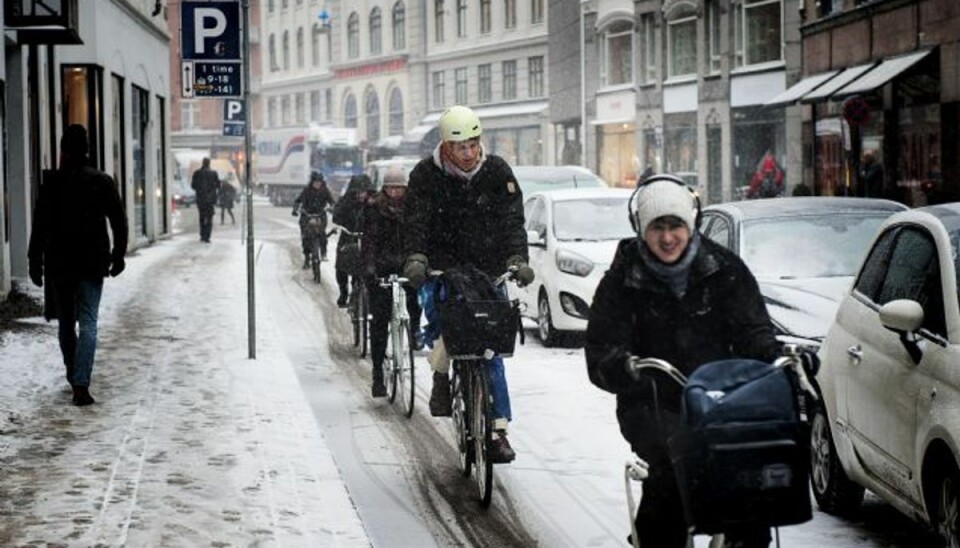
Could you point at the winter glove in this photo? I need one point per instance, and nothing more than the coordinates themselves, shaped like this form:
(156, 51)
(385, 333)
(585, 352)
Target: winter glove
(117, 264)
(295, 212)
(523, 272)
(415, 270)
(630, 365)
(36, 273)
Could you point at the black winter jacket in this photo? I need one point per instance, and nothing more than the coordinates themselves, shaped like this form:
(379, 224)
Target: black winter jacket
(721, 315)
(383, 234)
(454, 222)
(69, 235)
(206, 183)
(312, 200)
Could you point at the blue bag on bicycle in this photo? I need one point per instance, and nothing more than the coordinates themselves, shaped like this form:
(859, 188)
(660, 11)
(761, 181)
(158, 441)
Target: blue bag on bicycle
(743, 456)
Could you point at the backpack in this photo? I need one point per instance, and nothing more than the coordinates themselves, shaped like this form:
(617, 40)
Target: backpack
(768, 187)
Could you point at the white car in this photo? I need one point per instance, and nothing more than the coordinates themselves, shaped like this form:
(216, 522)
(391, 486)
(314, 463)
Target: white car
(377, 168)
(573, 235)
(890, 378)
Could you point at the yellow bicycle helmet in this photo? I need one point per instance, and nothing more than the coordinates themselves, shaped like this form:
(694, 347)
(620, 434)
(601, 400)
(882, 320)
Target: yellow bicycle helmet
(459, 123)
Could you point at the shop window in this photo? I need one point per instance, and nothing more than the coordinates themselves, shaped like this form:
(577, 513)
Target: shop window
(82, 103)
(509, 80)
(372, 112)
(350, 112)
(616, 147)
(758, 32)
(118, 146)
(376, 32)
(616, 54)
(396, 112)
(5, 158)
(140, 122)
(399, 26)
(161, 192)
(682, 47)
(353, 36)
(680, 151)
(460, 86)
(484, 83)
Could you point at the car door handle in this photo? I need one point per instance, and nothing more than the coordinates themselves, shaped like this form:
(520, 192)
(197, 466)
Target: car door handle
(855, 352)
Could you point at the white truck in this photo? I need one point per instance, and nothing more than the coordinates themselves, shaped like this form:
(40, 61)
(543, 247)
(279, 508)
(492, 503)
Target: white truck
(286, 156)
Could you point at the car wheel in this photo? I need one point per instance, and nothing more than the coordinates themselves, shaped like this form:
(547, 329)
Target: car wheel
(548, 334)
(946, 511)
(835, 492)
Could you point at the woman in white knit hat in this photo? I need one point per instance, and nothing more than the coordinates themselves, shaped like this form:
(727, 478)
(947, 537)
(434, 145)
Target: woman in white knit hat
(673, 295)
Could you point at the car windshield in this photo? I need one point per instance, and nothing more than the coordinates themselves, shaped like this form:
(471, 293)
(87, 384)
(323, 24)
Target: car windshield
(813, 246)
(592, 219)
(530, 183)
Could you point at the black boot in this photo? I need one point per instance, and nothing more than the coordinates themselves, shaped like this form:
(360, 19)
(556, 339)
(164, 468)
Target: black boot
(440, 400)
(378, 390)
(306, 261)
(81, 396)
(342, 300)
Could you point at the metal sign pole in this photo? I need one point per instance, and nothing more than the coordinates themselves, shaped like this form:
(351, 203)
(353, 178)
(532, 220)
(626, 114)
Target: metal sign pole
(248, 189)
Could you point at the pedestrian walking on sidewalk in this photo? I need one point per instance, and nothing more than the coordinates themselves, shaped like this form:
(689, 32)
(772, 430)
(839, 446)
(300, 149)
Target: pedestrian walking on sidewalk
(228, 195)
(206, 183)
(70, 251)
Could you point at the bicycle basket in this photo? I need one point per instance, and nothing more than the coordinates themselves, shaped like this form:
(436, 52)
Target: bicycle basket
(471, 327)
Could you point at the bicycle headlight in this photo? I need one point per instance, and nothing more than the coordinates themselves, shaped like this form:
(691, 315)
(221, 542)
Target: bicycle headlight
(574, 263)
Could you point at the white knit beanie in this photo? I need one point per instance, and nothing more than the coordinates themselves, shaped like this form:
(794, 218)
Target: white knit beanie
(394, 176)
(665, 198)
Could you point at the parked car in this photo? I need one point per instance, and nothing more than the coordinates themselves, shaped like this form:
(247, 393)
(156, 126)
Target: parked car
(889, 379)
(573, 235)
(803, 251)
(536, 178)
(183, 195)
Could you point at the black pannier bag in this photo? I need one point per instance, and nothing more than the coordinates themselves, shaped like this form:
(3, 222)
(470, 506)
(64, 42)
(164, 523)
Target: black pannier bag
(473, 316)
(743, 455)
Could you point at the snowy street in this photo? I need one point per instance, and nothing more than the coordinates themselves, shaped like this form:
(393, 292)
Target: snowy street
(192, 444)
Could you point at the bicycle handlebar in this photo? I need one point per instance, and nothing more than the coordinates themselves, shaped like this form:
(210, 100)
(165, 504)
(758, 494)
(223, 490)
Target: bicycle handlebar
(637, 365)
(510, 274)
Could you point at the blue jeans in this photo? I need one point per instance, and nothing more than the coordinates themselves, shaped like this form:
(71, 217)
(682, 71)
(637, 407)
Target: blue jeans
(495, 370)
(78, 301)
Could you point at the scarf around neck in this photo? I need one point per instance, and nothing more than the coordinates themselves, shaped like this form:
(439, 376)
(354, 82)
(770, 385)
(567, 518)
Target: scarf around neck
(676, 275)
(444, 163)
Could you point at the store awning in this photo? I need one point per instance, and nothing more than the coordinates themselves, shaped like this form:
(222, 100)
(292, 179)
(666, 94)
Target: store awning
(801, 88)
(887, 70)
(495, 111)
(826, 90)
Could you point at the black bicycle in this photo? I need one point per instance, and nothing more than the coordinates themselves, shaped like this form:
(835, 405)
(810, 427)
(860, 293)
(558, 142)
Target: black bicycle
(474, 332)
(315, 233)
(358, 303)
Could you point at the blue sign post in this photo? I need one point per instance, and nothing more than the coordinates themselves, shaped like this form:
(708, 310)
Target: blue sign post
(210, 49)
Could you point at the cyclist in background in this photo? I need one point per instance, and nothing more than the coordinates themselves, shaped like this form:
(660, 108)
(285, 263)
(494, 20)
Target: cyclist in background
(313, 200)
(382, 255)
(348, 213)
(465, 207)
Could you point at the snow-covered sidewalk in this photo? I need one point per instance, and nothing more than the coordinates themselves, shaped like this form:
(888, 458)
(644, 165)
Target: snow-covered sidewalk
(189, 443)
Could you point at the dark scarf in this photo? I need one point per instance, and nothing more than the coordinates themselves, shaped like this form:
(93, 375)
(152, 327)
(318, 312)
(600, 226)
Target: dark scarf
(388, 207)
(676, 275)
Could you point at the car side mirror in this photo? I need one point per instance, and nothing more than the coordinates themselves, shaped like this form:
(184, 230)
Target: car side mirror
(904, 317)
(536, 239)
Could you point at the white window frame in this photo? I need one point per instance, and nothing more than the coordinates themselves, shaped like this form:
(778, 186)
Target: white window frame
(671, 25)
(605, 56)
(741, 39)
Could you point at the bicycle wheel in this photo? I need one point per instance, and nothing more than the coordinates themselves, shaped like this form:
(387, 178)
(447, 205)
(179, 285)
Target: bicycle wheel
(355, 312)
(404, 366)
(461, 421)
(315, 260)
(391, 364)
(480, 425)
(364, 321)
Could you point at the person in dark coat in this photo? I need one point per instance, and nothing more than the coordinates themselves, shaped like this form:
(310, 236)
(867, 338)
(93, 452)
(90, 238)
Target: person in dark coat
(206, 183)
(382, 254)
(464, 207)
(673, 295)
(228, 195)
(70, 249)
(871, 176)
(313, 200)
(348, 213)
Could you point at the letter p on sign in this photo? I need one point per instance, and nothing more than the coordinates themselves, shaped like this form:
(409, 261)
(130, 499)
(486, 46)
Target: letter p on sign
(208, 23)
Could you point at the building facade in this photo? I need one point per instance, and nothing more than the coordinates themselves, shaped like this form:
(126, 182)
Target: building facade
(99, 64)
(682, 86)
(880, 79)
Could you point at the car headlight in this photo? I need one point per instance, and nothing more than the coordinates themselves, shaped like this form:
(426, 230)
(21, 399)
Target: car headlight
(574, 263)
